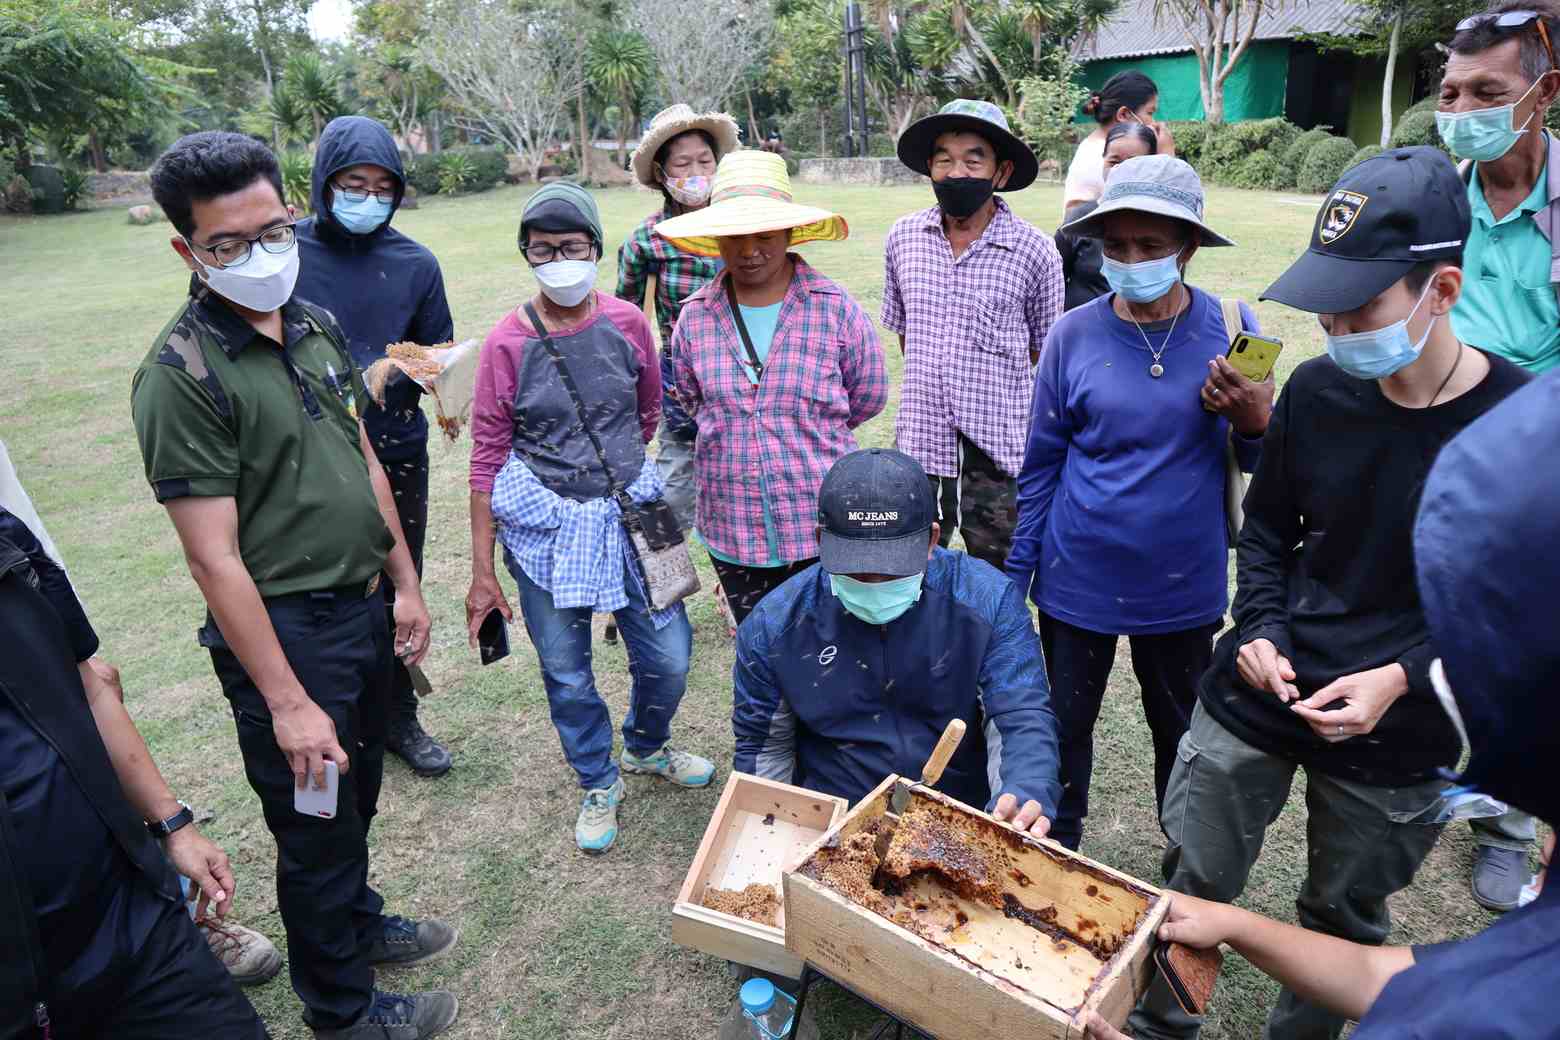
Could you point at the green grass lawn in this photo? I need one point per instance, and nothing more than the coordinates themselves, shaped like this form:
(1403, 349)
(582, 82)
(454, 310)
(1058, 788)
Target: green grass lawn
(553, 944)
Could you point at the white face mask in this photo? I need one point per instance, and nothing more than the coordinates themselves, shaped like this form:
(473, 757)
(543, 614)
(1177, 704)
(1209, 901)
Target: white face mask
(262, 283)
(566, 282)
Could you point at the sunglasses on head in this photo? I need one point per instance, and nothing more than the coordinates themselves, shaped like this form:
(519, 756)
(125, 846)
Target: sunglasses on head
(1514, 20)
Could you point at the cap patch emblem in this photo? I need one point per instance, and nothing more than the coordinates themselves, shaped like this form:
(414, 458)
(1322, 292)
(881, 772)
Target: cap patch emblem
(1339, 215)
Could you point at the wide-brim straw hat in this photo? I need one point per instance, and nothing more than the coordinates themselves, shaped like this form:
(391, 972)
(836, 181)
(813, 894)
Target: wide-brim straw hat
(679, 119)
(1158, 184)
(751, 194)
(914, 147)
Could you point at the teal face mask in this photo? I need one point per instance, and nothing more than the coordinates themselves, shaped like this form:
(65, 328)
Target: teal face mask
(1144, 282)
(877, 602)
(358, 212)
(1484, 134)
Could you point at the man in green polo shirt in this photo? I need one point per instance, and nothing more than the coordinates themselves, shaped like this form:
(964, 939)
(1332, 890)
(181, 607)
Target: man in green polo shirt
(1501, 77)
(247, 413)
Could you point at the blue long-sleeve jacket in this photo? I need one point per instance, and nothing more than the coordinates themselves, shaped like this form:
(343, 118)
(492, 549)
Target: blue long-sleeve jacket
(831, 703)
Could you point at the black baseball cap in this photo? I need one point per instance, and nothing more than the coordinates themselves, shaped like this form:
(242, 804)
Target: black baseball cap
(1383, 217)
(876, 511)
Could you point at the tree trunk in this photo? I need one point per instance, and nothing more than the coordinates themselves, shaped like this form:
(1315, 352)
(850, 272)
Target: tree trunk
(95, 149)
(579, 107)
(319, 128)
(623, 117)
(753, 138)
(1386, 83)
(823, 133)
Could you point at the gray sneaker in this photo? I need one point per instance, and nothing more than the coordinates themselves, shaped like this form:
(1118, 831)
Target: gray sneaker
(405, 942)
(1498, 877)
(397, 1016)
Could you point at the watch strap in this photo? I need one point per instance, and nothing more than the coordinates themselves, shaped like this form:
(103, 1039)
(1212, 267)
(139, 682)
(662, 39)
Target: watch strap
(164, 828)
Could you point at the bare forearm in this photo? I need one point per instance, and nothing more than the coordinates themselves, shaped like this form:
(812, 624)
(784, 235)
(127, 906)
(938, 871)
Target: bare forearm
(482, 535)
(240, 614)
(143, 784)
(1342, 976)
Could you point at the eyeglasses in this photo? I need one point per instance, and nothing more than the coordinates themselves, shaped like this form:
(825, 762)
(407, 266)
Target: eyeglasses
(538, 253)
(1514, 20)
(363, 195)
(233, 252)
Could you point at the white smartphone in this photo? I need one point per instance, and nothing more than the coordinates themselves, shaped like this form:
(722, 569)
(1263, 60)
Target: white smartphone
(313, 802)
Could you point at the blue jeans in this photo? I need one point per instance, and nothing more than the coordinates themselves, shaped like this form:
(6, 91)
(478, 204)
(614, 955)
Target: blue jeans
(657, 663)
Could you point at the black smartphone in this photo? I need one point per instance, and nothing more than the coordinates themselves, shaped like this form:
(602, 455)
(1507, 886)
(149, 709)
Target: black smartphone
(493, 638)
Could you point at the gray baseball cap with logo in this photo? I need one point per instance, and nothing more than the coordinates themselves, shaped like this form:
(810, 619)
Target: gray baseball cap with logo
(876, 511)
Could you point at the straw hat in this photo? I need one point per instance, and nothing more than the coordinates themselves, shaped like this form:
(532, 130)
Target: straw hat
(1159, 184)
(679, 119)
(752, 193)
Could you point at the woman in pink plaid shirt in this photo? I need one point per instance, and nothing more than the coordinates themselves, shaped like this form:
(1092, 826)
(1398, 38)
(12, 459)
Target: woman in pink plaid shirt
(777, 364)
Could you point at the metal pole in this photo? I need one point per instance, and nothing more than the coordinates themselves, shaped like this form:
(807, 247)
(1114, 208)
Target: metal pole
(855, 76)
(850, 139)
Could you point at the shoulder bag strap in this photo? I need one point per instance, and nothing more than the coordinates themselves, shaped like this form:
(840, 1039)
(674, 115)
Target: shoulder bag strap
(747, 341)
(574, 395)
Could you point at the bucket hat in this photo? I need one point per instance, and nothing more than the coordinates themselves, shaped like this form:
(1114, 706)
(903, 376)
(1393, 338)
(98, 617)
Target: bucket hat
(978, 117)
(679, 119)
(751, 194)
(1158, 184)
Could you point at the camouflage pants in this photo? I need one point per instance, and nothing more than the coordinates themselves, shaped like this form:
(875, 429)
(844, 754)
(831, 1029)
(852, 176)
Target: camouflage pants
(982, 502)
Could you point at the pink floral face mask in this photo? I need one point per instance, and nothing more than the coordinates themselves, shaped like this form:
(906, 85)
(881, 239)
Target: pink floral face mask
(690, 191)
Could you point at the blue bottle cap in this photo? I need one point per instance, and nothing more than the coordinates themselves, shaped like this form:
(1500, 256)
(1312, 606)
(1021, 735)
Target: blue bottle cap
(758, 996)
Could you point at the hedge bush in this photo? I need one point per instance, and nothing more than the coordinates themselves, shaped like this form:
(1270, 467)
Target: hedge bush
(1370, 151)
(1234, 142)
(1190, 137)
(1294, 155)
(1260, 171)
(488, 167)
(1416, 128)
(1325, 163)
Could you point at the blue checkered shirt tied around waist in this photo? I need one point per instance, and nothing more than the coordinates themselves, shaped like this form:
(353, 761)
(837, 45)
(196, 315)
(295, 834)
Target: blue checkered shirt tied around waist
(578, 551)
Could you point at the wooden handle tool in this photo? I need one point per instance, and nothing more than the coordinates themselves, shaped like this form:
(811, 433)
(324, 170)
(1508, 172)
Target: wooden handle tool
(947, 744)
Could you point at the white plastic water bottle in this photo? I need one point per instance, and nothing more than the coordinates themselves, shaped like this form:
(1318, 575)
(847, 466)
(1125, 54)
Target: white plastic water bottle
(767, 1009)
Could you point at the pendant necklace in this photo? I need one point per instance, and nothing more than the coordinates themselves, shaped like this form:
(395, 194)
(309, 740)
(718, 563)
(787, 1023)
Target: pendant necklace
(1156, 369)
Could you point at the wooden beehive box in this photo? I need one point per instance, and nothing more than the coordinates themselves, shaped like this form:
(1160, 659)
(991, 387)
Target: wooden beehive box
(1072, 935)
(759, 828)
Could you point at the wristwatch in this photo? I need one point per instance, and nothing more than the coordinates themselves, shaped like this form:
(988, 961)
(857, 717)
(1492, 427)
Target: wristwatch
(163, 828)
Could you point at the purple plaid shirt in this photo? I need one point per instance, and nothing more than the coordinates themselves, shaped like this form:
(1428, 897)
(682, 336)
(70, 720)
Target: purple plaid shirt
(969, 326)
(824, 377)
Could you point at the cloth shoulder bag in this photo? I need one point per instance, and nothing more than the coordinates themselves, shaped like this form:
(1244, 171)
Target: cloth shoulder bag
(652, 528)
(1234, 479)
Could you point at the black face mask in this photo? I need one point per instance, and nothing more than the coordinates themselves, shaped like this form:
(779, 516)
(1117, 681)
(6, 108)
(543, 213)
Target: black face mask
(959, 197)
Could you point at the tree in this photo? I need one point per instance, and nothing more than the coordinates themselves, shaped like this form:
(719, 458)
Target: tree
(1045, 115)
(509, 77)
(620, 66)
(1390, 29)
(702, 51)
(313, 88)
(1219, 32)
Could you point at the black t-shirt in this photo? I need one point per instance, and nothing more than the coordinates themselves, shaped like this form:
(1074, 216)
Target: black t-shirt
(1325, 568)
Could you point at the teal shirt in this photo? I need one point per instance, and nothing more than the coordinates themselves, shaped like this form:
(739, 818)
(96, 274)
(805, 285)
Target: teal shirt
(1508, 305)
(760, 322)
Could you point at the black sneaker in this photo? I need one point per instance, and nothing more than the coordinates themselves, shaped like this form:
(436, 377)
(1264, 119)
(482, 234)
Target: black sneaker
(396, 1016)
(420, 751)
(405, 942)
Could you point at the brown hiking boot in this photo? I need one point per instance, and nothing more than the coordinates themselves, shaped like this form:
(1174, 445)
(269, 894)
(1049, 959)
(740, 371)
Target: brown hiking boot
(248, 956)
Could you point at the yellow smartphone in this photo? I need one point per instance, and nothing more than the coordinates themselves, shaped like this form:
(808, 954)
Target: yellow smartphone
(1253, 356)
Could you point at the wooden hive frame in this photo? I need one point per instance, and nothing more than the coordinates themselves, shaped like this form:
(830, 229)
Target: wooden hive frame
(942, 993)
(736, 847)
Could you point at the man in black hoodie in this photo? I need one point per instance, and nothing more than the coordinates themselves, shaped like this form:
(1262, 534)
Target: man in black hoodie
(383, 288)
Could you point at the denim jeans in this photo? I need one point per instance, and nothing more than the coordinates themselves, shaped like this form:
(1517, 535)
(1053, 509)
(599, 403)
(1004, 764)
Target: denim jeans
(1223, 795)
(674, 458)
(657, 665)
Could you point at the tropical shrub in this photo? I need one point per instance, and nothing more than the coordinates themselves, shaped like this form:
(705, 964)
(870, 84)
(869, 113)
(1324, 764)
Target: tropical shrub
(297, 178)
(1415, 128)
(74, 183)
(1260, 171)
(1325, 163)
(457, 172)
(1294, 154)
(1368, 152)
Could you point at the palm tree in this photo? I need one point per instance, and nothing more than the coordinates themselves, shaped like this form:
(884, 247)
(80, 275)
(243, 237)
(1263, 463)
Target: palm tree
(619, 64)
(315, 88)
(1037, 17)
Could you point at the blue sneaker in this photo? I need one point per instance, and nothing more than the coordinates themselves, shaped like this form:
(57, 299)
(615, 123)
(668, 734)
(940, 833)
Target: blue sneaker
(679, 767)
(596, 829)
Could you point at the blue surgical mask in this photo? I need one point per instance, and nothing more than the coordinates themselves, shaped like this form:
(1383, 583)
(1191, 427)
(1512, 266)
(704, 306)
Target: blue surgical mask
(1144, 282)
(1378, 353)
(877, 602)
(360, 218)
(1484, 134)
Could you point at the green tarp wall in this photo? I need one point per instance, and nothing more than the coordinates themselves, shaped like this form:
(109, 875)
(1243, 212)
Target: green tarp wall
(1255, 90)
